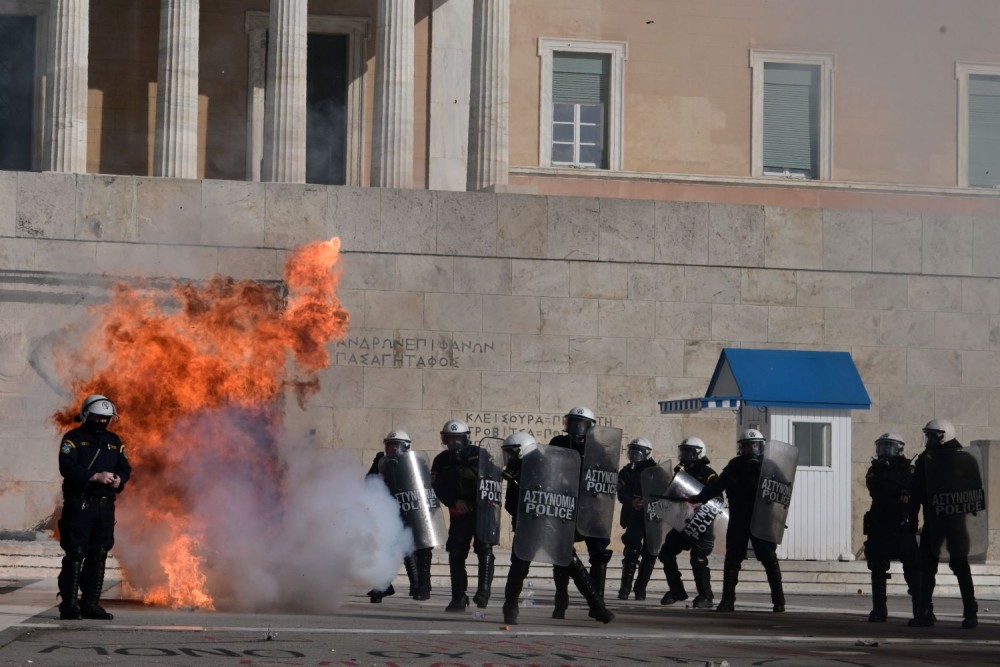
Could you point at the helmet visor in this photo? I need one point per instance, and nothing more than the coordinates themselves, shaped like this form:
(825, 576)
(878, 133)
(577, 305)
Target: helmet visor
(687, 454)
(751, 449)
(577, 426)
(933, 438)
(454, 441)
(637, 454)
(885, 449)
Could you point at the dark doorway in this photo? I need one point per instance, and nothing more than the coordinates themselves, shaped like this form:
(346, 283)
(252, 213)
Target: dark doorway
(326, 109)
(17, 91)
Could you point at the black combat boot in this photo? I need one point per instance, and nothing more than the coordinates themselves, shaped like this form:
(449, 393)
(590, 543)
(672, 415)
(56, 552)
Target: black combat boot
(646, 567)
(629, 563)
(423, 559)
(703, 583)
(69, 584)
(880, 611)
(91, 586)
(599, 570)
(773, 571)
(512, 591)
(676, 591)
(459, 582)
(375, 596)
(923, 609)
(970, 608)
(482, 596)
(410, 565)
(560, 577)
(586, 586)
(730, 577)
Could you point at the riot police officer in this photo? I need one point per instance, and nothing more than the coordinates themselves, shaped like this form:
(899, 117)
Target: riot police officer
(891, 532)
(95, 470)
(515, 448)
(692, 455)
(455, 475)
(577, 423)
(941, 525)
(739, 480)
(633, 520)
(396, 442)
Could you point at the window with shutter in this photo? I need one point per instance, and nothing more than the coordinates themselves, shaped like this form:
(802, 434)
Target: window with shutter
(984, 131)
(791, 120)
(579, 101)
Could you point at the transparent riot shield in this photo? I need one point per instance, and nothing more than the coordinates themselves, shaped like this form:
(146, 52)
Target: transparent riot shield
(955, 514)
(774, 491)
(489, 499)
(408, 476)
(695, 521)
(599, 481)
(547, 505)
(654, 482)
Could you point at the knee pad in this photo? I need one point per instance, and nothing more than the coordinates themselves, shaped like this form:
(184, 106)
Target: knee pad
(75, 554)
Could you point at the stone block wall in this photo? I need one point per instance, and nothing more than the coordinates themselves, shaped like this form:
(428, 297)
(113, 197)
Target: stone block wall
(505, 310)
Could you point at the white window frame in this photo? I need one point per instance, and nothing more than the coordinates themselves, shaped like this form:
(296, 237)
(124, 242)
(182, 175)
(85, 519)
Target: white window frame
(614, 116)
(40, 10)
(357, 31)
(827, 64)
(962, 73)
(799, 420)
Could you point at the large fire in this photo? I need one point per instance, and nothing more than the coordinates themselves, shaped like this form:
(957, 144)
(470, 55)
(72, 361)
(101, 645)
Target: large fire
(199, 375)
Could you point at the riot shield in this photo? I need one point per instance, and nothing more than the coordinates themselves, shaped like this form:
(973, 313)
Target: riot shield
(408, 477)
(694, 521)
(489, 498)
(955, 513)
(546, 507)
(599, 481)
(654, 482)
(774, 491)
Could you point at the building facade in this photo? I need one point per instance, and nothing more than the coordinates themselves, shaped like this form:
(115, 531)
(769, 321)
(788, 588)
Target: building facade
(586, 200)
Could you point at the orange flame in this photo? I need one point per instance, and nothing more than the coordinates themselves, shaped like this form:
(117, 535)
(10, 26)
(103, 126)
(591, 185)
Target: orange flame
(221, 347)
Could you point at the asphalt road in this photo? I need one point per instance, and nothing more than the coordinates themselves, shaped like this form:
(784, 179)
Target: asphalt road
(816, 630)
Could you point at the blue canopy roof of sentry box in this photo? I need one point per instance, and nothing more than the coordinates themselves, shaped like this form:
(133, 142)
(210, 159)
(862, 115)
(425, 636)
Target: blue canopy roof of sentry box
(780, 378)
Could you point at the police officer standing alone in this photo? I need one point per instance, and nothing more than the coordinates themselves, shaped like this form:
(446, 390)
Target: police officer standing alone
(455, 475)
(739, 480)
(633, 520)
(943, 471)
(889, 524)
(95, 470)
(693, 457)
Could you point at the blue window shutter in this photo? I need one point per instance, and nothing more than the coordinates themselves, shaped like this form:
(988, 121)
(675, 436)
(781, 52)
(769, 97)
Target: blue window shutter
(791, 117)
(984, 131)
(580, 78)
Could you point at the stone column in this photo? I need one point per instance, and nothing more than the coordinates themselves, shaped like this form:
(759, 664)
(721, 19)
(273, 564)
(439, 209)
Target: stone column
(66, 123)
(392, 139)
(176, 153)
(285, 98)
(489, 104)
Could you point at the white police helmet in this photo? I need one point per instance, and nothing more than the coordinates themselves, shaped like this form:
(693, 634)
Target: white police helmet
(578, 421)
(751, 443)
(938, 431)
(455, 434)
(401, 439)
(518, 444)
(691, 449)
(99, 406)
(639, 449)
(889, 445)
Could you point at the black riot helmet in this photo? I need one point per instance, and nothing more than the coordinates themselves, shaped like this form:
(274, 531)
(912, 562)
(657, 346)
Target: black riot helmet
(888, 446)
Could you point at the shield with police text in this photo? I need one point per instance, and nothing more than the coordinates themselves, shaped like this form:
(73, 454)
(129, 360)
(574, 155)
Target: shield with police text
(489, 499)
(695, 521)
(654, 482)
(408, 477)
(774, 491)
(955, 512)
(599, 481)
(546, 506)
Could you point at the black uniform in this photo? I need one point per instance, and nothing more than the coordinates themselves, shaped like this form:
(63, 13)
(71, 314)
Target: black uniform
(634, 537)
(739, 481)
(890, 527)
(938, 531)
(597, 547)
(87, 525)
(519, 568)
(456, 478)
(701, 548)
(409, 562)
